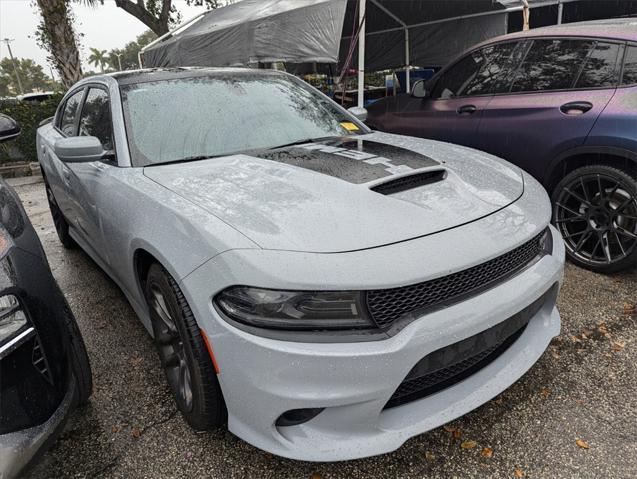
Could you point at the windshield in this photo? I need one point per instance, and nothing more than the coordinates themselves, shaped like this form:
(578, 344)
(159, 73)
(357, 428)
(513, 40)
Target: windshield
(204, 116)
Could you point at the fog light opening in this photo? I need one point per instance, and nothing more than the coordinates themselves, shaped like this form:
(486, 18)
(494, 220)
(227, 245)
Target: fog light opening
(294, 417)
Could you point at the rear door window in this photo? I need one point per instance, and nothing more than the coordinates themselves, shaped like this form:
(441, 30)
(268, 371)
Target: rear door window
(601, 68)
(95, 119)
(630, 66)
(551, 64)
(69, 114)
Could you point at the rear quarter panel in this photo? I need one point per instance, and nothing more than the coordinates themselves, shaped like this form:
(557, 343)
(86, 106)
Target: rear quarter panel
(617, 125)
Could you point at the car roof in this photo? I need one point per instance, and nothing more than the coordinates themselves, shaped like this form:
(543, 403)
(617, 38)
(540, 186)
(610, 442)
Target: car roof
(624, 28)
(158, 74)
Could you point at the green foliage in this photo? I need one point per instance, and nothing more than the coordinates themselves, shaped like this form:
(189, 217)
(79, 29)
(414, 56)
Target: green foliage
(158, 15)
(29, 115)
(128, 54)
(31, 74)
(98, 58)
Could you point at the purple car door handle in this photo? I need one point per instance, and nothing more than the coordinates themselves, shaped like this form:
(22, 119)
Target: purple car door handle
(466, 110)
(576, 107)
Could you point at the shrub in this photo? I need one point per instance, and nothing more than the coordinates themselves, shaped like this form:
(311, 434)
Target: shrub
(28, 114)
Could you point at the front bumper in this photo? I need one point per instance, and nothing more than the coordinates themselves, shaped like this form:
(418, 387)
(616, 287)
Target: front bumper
(18, 449)
(262, 378)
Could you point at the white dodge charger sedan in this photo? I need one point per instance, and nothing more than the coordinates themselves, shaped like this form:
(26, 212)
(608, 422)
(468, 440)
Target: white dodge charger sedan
(327, 290)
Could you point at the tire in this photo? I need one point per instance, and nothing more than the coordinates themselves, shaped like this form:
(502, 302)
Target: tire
(61, 225)
(595, 210)
(78, 357)
(183, 353)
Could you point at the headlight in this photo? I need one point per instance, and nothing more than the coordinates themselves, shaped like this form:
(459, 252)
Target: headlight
(12, 319)
(5, 242)
(294, 310)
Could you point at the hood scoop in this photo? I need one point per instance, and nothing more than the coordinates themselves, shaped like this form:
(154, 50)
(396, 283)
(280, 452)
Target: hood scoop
(409, 182)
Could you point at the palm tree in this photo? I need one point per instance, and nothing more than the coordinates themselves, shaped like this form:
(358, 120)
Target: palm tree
(98, 58)
(56, 34)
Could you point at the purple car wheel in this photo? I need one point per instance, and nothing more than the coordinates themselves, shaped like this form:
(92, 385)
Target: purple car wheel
(595, 210)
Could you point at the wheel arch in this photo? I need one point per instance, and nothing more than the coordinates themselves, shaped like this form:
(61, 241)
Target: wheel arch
(144, 255)
(570, 160)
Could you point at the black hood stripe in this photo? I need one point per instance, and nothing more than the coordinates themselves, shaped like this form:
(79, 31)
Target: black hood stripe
(356, 161)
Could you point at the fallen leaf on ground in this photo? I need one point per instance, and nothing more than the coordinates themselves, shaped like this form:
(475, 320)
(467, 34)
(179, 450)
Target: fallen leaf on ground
(429, 456)
(519, 473)
(629, 308)
(448, 428)
(136, 432)
(617, 346)
(457, 433)
(603, 330)
(468, 444)
(575, 339)
(555, 354)
(545, 392)
(116, 428)
(582, 443)
(487, 452)
(316, 475)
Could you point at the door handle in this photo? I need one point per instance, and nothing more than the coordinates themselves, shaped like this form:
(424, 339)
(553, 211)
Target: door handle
(576, 107)
(466, 110)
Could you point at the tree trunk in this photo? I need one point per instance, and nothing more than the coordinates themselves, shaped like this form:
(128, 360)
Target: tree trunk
(159, 25)
(59, 38)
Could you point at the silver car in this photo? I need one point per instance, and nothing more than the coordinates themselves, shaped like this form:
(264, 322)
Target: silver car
(330, 291)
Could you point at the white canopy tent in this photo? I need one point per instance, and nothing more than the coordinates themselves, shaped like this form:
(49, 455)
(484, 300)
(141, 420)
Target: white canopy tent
(389, 33)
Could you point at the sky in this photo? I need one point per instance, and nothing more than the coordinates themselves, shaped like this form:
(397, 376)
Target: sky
(104, 27)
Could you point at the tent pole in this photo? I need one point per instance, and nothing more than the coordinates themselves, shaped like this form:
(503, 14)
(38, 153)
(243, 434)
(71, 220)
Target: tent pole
(407, 66)
(361, 54)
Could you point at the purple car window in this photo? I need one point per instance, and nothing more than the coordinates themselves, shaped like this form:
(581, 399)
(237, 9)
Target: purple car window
(551, 65)
(601, 67)
(630, 66)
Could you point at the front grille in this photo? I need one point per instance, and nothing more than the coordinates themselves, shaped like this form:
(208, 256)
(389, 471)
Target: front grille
(388, 305)
(449, 365)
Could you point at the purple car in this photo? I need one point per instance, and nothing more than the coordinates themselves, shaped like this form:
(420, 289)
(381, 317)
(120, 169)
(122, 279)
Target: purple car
(561, 103)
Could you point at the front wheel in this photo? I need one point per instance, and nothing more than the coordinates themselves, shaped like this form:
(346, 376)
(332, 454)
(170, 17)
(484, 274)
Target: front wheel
(595, 210)
(183, 352)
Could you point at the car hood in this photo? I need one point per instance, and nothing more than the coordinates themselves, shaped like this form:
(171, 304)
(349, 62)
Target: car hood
(346, 194)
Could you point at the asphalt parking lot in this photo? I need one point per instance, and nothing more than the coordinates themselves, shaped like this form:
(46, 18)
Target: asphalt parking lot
(583, 390)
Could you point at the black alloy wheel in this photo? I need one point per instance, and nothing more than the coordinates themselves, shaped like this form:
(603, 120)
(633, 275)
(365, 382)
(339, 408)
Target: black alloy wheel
(171, 350)
(183, 353)
(595, 210)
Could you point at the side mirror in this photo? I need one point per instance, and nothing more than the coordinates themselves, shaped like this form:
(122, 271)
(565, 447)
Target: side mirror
(418, 90)
(358, 112)
(79, 149)
(9, 128)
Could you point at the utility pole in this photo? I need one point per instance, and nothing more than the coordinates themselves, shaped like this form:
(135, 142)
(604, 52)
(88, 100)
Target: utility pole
(15, 68)
(119, 60)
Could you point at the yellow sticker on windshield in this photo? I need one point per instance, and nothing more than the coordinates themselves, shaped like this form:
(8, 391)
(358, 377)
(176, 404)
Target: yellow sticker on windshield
(349, 126)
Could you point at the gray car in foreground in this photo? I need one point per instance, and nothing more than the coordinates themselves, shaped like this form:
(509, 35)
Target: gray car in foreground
(328, 291)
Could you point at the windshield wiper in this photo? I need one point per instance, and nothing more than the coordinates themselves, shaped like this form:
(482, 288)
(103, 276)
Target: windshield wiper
(185, 160)
(303, 141)
(208, 157)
